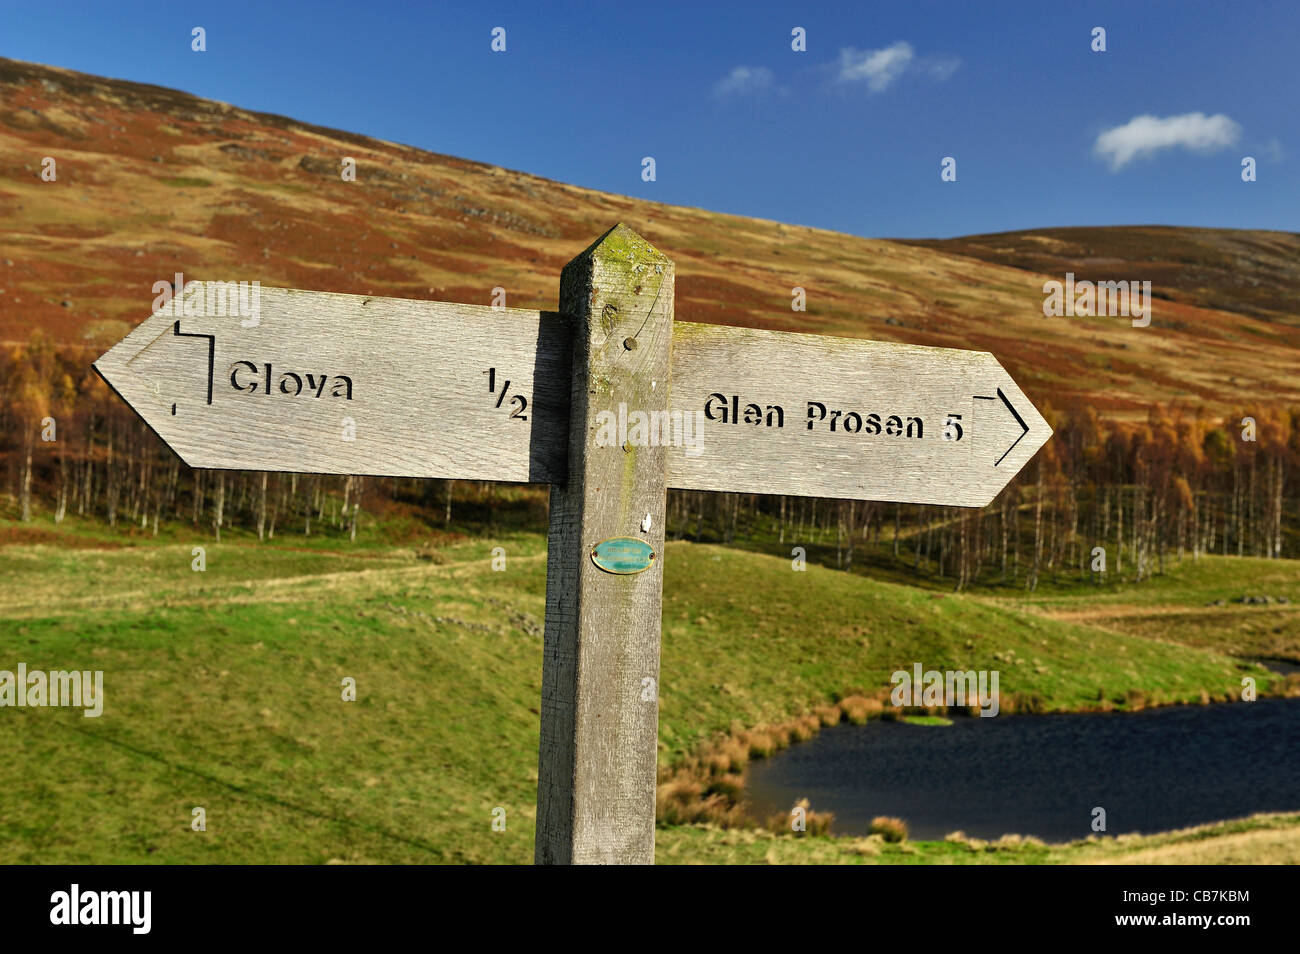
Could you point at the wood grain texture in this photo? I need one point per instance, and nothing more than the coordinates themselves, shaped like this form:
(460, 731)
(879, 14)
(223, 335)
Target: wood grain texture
(778, 369)
(421, 405)
(600, 716)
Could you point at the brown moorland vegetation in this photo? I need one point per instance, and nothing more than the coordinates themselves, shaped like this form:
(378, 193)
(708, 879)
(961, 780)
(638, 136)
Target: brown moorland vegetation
(153, 181)
(1149, 456)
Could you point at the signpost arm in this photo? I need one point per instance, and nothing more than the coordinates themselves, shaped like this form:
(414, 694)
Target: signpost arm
(600, 676)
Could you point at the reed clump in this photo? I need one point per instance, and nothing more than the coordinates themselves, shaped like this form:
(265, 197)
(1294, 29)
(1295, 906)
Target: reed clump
(707, 787)
(893, 830)
(800, 820)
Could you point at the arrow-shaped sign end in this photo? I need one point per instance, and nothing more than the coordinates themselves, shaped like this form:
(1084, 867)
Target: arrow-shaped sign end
(115, 370)
(1021, 428)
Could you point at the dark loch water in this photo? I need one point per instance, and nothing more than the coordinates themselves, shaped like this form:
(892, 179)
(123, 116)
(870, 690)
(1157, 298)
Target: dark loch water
(1042, 775)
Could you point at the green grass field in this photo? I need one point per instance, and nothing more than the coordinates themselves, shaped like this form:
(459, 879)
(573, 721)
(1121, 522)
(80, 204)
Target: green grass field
(223, 690)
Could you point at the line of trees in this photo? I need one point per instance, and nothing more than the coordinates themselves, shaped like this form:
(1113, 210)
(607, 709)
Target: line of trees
(1183, 483)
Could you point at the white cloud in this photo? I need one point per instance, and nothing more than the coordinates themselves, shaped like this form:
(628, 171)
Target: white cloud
(877, 68)
(1144, 136)
(743, 80)
(939, 68)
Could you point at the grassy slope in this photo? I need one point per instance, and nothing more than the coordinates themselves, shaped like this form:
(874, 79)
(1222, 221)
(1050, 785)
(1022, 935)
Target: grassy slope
(223, 690)
(1177, 605)
(1182, 604)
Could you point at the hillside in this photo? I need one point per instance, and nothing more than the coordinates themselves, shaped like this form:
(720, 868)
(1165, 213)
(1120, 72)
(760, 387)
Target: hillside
(1251, 273)
(153, 181)
(222, 690)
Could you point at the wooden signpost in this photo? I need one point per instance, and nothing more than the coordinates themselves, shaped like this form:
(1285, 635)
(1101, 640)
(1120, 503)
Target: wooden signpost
(610, 402)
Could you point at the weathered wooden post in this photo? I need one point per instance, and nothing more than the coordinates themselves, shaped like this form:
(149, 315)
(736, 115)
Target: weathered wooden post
(600, 674)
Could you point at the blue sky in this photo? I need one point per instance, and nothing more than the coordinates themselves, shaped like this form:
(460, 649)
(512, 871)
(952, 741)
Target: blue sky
(848, 135)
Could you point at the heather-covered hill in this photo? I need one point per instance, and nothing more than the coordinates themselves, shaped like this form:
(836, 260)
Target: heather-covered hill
(153, 181)
(1249, 272)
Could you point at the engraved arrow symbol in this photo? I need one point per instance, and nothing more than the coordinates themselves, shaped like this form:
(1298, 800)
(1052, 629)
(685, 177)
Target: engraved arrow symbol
(152, 353)
(1024, 428)
(1019, 420)
(212, 345)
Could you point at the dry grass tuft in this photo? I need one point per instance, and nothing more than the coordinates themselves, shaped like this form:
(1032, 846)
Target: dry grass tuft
(814, 823)
(804, 728)
(829, 715)
(858, 709)
(893, 830)
(867, 847)
(760, 744)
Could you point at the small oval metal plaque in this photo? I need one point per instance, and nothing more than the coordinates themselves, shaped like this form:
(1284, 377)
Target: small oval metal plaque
(623, 555)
